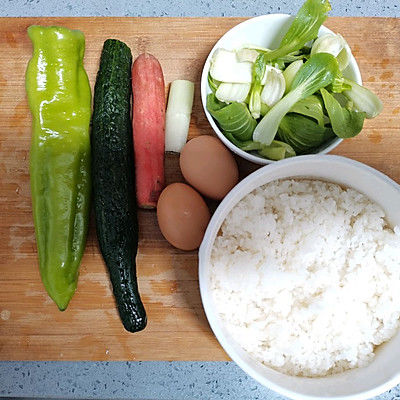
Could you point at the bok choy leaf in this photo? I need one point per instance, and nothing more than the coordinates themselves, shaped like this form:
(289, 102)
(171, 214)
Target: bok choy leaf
(228, 92)
(213, 83)
(277, 150)
(345, 123)
(247, 145)
(338, 85)
(225, 67)
(312, 107)
(290, 72)
(304, 28)
(234, 118)
(274, 86)
(302, 133)
(335, 45)
(363, 99)
(259, 68)
(246, 54)
(318, 72)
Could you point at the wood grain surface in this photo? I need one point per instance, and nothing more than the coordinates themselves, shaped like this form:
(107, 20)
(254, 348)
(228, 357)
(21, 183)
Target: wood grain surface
(31, 327)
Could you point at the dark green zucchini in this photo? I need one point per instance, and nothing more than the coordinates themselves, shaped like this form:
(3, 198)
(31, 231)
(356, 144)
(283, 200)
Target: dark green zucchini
(114, 181)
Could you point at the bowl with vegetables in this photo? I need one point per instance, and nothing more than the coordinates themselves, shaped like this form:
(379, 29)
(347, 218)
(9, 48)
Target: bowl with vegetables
(277, 86)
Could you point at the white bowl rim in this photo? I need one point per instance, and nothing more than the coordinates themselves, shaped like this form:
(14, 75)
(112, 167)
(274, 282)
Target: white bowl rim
(204, 85)
(206, 295)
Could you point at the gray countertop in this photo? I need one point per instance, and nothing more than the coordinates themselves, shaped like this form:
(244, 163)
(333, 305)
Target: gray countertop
(154, 380)
(176, 8)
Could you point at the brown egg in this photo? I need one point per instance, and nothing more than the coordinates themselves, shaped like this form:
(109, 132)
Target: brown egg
(182, 216)
(209, 166)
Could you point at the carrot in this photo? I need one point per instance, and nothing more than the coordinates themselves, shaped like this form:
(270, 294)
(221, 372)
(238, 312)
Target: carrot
(148, 125)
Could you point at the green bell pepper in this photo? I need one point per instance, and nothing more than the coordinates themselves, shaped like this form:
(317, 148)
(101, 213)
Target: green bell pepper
(60, 102)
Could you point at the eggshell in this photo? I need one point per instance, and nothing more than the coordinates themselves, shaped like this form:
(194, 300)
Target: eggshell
(182, 216)
(209, 166)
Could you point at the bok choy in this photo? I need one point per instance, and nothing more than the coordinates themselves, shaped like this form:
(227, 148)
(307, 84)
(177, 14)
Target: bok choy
(274, 86)
(225, 67)
(259, 69)
(302, 133)
(318, 72)
(294, 99)
(234, 118)
(276, 151)
(335, 45)
(363, 99)
(312, 107)
(345, 123)
(228, 92)
(290, 72)
(304, 28)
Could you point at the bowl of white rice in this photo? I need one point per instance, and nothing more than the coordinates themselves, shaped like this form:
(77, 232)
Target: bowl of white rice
(299, 275)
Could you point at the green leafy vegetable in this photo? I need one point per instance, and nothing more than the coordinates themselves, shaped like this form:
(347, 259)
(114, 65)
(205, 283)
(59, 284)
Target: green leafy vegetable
(291, 57)
(247, 54)
(298, 89)
(345, 123)
(213, 104)
(259, 67)
(279, 64)
(363, 99)
(247, 145)
(275, 151)
(274, 86)
(229, 92)
(225, 67)
(213, 83)
(302, 133)
(234, 118)
(338, 85)
(318, 72)
(312, 107)
(335, 45)
(304, 28)
(264, 109)
(290, 72)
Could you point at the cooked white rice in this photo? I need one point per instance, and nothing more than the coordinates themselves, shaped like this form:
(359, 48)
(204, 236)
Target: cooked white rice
(306, 277)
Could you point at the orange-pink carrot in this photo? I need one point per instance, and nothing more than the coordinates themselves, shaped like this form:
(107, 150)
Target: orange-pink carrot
(148, 125)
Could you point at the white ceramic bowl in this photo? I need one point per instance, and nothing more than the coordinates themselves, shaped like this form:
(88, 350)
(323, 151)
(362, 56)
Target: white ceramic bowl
(363, 383)
(266, 31)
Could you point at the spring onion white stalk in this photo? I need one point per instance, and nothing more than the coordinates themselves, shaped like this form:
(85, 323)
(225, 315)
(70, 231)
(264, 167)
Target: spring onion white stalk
(177, 116)
(225, 67)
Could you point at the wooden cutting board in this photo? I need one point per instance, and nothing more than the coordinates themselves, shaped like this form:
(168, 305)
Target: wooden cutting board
(31, 327)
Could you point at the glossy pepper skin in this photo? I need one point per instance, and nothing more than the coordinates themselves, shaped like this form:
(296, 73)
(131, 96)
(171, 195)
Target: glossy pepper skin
(60, 102)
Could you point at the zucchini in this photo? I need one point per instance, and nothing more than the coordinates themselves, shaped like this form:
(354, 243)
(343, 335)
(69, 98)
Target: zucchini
(114, 180)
